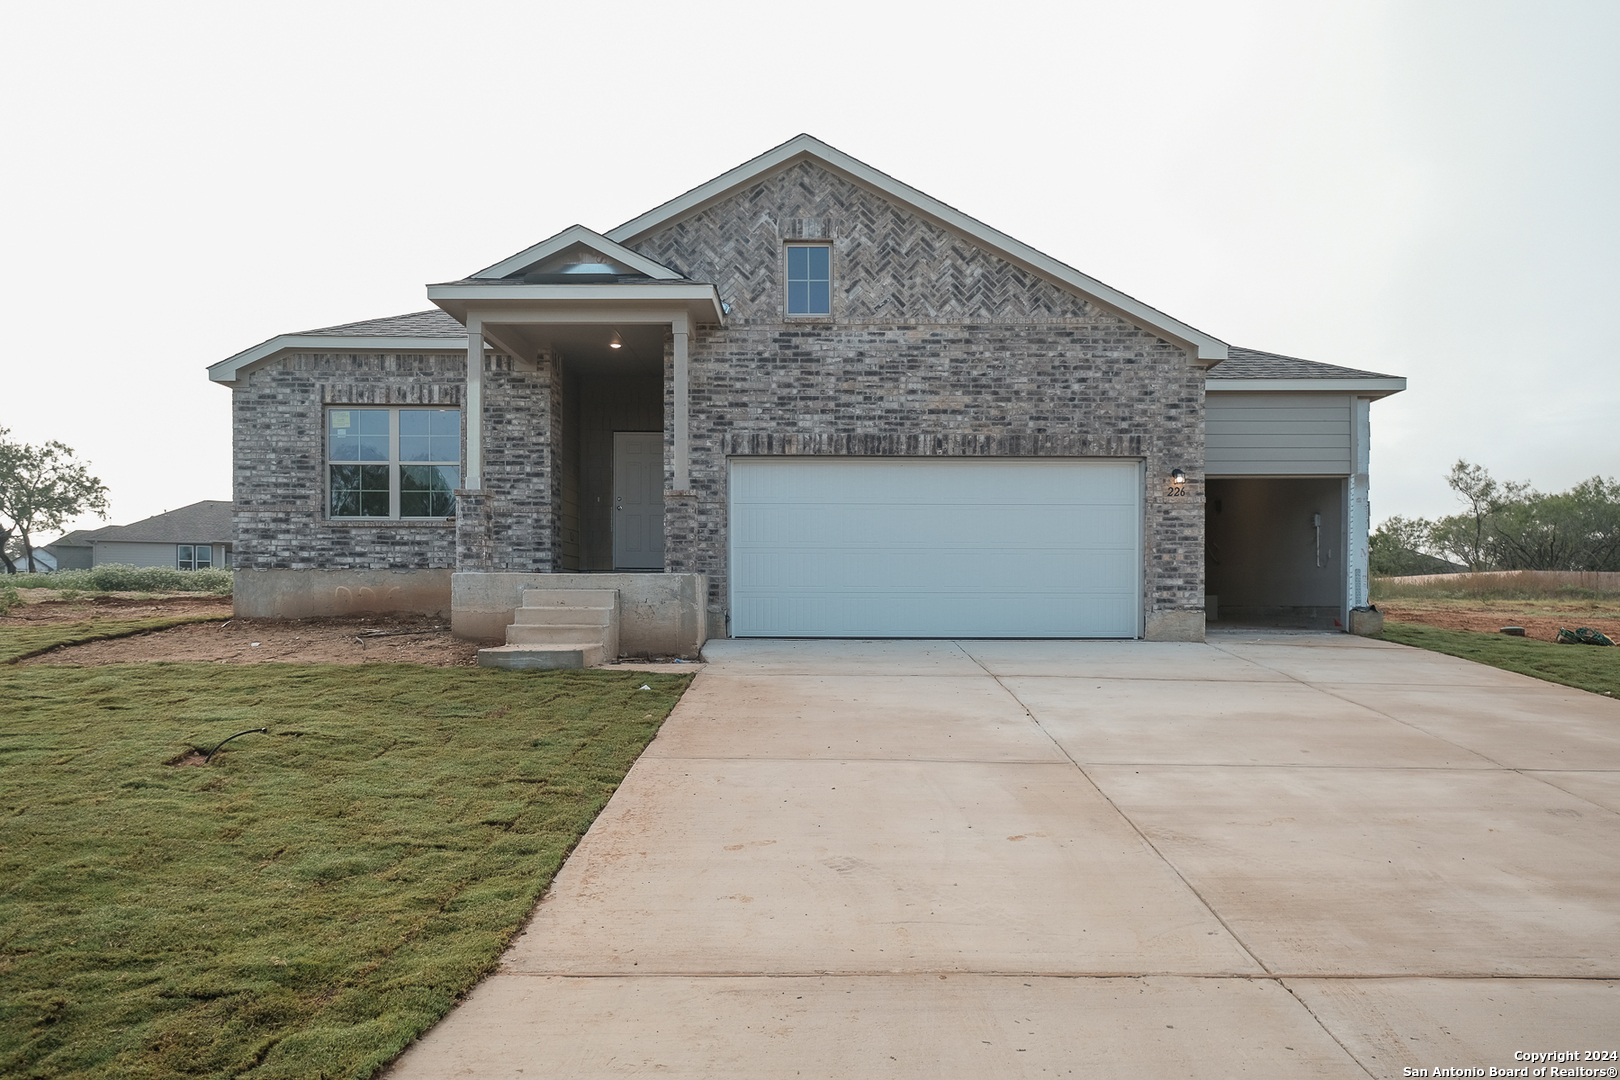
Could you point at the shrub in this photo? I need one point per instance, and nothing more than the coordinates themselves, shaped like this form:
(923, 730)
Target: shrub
(116, 577)
(9, 599)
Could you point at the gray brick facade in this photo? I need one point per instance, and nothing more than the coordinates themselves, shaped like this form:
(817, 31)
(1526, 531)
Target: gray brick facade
(280, 462)
(935, 347)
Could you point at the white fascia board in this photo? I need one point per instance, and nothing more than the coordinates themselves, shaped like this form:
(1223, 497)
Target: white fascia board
(226, 370)
(702, 301)
(579, 234)
(1209, 350)
(1370, 388)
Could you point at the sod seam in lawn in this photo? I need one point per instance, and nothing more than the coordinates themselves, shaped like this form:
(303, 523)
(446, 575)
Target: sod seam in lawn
(21, 642)
(1585, 667)
(313, 899)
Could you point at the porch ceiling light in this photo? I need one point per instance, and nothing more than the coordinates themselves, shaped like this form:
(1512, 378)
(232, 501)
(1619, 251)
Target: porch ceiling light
(615, 342)
(1178, 477)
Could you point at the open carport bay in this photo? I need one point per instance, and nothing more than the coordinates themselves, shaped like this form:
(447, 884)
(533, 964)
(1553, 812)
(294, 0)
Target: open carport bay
(1279, 855)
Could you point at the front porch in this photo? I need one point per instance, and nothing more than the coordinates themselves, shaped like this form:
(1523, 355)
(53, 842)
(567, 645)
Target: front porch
(658, 614)
(598, 336)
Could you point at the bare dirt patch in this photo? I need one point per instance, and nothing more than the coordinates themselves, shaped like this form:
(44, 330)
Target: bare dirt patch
(39, 607)
(372, 639)
(1540, 618)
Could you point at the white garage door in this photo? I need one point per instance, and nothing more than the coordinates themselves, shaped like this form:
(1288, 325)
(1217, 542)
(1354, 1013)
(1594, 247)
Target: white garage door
(842, 547)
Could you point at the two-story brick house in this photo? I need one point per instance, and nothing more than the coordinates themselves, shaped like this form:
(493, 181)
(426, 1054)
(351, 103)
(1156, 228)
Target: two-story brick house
(802, 399)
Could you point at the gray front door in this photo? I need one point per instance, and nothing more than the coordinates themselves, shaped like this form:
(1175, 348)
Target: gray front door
(638, 500)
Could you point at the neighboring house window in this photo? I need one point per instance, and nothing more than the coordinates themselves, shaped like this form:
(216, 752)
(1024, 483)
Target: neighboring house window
(393, 463)
(194, 556)
(809, 279)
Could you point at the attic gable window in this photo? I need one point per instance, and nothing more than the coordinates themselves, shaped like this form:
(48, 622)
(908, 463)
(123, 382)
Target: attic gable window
(809, 279)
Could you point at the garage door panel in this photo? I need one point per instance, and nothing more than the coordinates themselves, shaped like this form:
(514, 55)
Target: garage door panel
(967, 572)
(929, 548)
(783, 482)
(982, 527)
(899, 615)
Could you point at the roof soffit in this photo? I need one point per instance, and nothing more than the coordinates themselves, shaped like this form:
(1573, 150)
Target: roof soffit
(503, 301)
(1373, 388)
(1207, 349)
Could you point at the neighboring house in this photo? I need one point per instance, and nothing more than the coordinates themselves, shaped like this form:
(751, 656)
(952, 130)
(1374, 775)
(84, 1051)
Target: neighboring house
(73, 551)
(44, 561)
(802, 399)
(195, 537)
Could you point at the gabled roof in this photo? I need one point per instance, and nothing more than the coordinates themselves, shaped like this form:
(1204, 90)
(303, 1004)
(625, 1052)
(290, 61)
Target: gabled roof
(537, 273)
(76, 538)
(1251, 369)
(1209, 350)
(428, 331)
(611, 252)
(206, 522)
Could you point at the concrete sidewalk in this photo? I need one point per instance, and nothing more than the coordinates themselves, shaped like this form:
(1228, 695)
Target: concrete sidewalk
(1278, 855)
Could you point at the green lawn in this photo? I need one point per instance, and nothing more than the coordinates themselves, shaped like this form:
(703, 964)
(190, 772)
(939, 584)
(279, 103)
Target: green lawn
(1587, 667)
(314, 898)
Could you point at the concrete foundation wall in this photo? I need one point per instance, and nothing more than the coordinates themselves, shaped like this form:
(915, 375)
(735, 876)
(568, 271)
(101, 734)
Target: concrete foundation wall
(303, 594)
(659, 614)
(1263, 560)
(1174, 626)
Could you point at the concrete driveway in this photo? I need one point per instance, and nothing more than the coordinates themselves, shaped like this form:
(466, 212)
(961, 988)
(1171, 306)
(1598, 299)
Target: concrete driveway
(1269, 855)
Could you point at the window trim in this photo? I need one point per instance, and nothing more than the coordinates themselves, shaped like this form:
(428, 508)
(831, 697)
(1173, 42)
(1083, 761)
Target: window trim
(394, 464)
(787, 282)
(180, 563)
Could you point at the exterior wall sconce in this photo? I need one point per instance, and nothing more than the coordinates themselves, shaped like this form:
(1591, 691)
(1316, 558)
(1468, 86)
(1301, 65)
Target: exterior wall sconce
(1178, 477)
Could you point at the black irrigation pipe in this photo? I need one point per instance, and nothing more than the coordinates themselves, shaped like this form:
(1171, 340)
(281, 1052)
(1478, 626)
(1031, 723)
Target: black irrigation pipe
(238, 735)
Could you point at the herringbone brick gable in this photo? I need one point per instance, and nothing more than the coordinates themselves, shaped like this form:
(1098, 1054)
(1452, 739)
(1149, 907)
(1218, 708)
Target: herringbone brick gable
(890, 264)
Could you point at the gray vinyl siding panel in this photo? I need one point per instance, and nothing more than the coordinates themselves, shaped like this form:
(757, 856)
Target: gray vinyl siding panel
(1249, 434)
(135, 554)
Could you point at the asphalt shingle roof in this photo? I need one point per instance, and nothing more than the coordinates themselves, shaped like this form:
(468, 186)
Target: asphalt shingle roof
(76, 538)
(424, 324)
(206, 522)
(1254, 364)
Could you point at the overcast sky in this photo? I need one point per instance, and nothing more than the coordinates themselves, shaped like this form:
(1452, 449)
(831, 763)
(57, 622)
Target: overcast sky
(1427, 189)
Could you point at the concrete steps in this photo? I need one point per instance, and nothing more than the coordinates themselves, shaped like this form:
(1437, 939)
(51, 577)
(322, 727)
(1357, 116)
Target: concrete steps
(541, 657)
(557, 629)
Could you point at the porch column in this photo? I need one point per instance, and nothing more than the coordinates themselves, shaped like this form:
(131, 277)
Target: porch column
(475, 522)
(683, 479)
(1357, 508)
(474, 478)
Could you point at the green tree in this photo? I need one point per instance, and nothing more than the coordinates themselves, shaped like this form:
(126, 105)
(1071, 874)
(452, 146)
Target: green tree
(1578, 529)
(1509, 525)
(1466, 537)
(1401, 546)
(41, 487)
